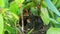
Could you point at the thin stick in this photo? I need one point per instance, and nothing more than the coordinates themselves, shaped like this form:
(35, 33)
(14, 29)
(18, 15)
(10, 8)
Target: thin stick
(21, 10)
(39, 7)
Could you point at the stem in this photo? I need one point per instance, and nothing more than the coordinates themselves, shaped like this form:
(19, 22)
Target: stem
(39, 7)
(21, 10)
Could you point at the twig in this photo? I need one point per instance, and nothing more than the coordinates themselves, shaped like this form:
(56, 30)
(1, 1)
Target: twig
(21, 10)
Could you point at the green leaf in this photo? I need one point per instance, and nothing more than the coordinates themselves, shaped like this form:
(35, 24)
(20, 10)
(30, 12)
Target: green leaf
(53, 20)
(44, 15)
(30, 31)
(29, 5)
(43, 4)
(58, 3)
(53, 30)
(34, 11)
(58, 19)
(14, 7)
(51, 14)
(15, 16)
(52, 7)
(1, 24)
(19, 1)
(9, 29)
(6, 3)
(54, 1)
(1, 3)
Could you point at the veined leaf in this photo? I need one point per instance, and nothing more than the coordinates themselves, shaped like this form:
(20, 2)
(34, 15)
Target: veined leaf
(1, 24)
(52, 7)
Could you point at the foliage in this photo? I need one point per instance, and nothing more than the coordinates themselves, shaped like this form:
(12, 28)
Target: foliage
(9, 11)
(1, 3)
(53, 31)
(1, 24)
